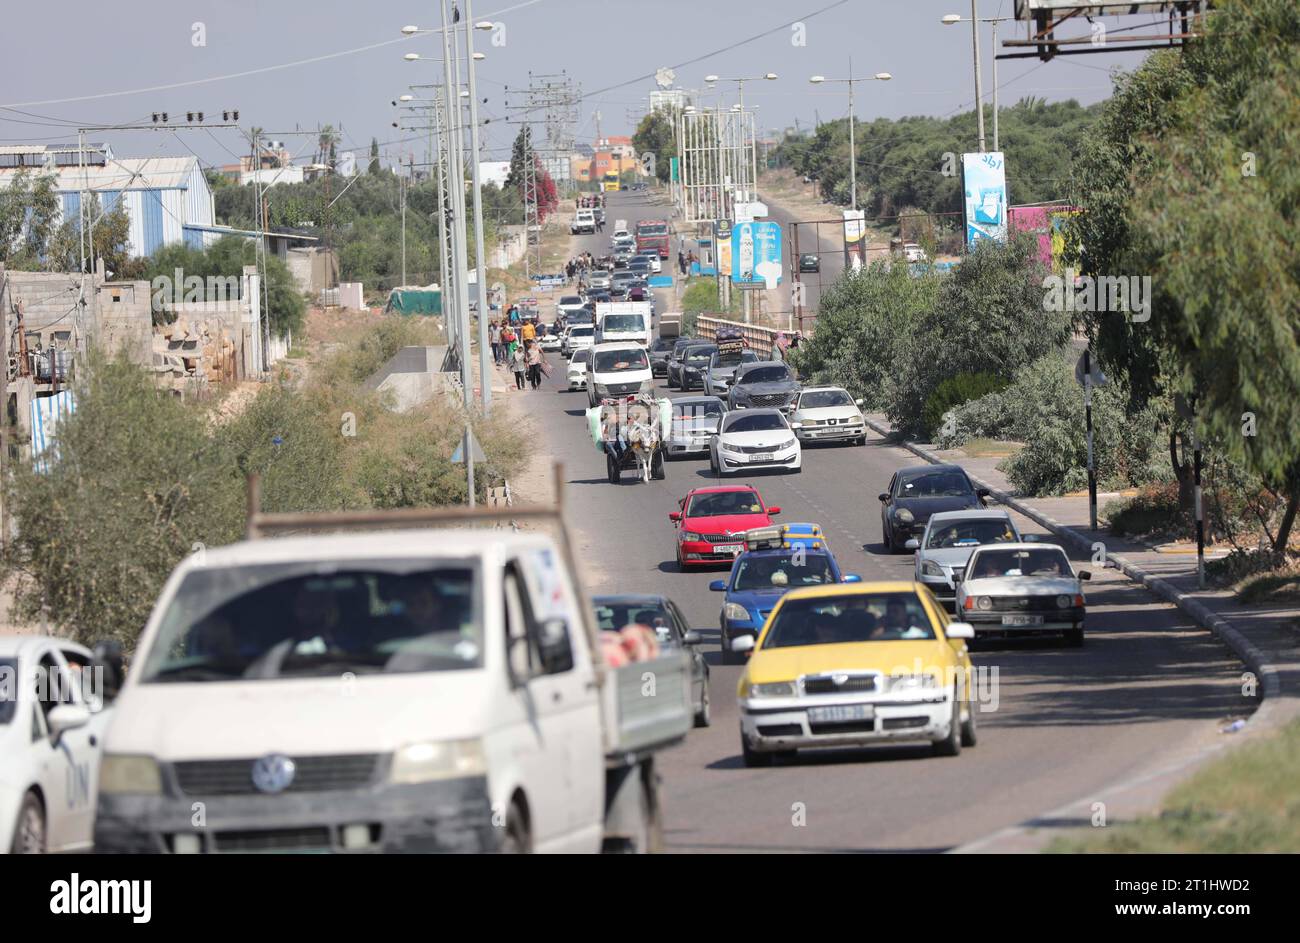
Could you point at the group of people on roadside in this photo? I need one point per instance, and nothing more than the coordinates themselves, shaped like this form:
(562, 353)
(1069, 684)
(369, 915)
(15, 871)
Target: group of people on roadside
(517, 346)
(578, 266)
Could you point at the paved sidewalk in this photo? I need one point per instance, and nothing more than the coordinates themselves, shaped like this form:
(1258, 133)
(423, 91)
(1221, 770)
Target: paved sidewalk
(1265, 638)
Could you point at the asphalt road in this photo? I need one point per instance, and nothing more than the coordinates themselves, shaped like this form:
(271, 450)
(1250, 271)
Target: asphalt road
(817, 240)
(1067, 721)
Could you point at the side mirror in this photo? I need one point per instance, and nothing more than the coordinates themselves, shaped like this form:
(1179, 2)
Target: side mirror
(858, 401)
(883, 496)
(718, 586)
(554, 646)
(1085, 575)
(959, 630)
(692, 638)
(107, 655)
(674, 516)
(982, 492)
(742, 643)
(796, 425)
(773, 510)
(66, 717)
(912, 544)
(851, 578)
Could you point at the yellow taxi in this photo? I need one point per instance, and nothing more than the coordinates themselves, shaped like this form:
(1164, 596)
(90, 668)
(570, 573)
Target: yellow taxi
(854, 664)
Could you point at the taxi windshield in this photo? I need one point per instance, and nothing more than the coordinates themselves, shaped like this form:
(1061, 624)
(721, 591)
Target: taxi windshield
(862, 617)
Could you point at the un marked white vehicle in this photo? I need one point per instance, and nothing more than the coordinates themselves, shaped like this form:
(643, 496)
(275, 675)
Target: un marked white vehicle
(829, 413)
(616, 370)
(755, 439)
(1022, 589)
(576, 374)
(51, 731)
(950, 538)
(392, 690)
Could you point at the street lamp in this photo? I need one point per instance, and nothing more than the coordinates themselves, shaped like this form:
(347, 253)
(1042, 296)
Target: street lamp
(853, 152)
(952, 19)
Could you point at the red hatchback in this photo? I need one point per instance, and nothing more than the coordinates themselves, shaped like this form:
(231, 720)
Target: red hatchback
(712, 522)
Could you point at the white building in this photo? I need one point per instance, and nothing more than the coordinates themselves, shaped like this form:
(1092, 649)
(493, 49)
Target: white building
(494, 171)
(167, 199)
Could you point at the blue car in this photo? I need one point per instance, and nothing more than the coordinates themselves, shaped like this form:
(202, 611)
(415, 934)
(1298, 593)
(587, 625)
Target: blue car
(792, 556)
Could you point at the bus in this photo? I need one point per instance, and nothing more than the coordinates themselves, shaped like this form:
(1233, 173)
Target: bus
(611, 181)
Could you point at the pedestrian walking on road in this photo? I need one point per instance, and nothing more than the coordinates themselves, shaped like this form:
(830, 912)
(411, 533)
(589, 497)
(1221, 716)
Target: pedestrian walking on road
(681, 261)
(534, 359)
(494, 337)
(509, 341)
(518, 367)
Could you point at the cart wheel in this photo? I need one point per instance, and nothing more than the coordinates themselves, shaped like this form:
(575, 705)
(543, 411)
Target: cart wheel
(611, 465)
(657, 465)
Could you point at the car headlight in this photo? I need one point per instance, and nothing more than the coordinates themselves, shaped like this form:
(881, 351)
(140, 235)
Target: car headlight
(930, 568)
(129, 774)
(727, 447)
(904, 515)
(984, 603)
(772, 689)
(792, 444)
(1063, 602)
(602, 388)
(736, 612)
(438, 759)
(691, 535)
(913, 682)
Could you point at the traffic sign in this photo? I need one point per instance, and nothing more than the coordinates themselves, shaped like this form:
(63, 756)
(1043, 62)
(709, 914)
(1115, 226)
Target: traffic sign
(1098, 378)
(475, 450)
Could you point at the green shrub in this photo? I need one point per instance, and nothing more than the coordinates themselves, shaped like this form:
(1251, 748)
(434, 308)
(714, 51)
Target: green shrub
(1155, 509)
(957, 391)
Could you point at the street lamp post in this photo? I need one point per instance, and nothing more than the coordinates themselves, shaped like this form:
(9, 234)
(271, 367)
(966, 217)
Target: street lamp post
(952, 19)
(853, 153)
(484, 348)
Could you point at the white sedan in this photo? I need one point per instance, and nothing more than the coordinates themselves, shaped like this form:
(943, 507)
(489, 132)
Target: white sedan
(829, 412)
(1011, 589)
(576, 373)
(52, 719)
(755, 439)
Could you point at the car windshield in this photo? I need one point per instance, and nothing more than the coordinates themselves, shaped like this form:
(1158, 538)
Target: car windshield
(8, 689)
(582, 331)
(774, 374)
(662, 346)
(1040, 561)
(710, 408)
(315, 619)
(754, 422)
(571, 300)
(659, 229)
(699, 354)
(782, 571)
(874, 617)
(724, 361)
(621, 361)
(719, 503)
(819, 399)
(934, 484)
(623, 322)
(970, 533)
(613, 612)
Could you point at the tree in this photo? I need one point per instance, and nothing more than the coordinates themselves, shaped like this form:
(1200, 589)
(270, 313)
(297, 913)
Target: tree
(374, 156)
(110, 233)
(1191, 184)
(656, 135)
(28, 209)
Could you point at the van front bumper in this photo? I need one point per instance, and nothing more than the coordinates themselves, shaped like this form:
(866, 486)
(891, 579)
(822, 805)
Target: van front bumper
(453, 815)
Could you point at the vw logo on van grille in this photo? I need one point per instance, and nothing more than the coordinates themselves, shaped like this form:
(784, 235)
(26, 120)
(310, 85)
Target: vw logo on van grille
(274, 773)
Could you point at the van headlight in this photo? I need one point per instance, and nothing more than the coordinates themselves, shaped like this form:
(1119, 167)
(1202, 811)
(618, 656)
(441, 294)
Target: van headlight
(438, 759)
(122, 774)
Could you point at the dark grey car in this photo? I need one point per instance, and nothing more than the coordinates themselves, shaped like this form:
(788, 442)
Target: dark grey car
(675, 358)
(767, 384)
(695, 360)
(661, 614)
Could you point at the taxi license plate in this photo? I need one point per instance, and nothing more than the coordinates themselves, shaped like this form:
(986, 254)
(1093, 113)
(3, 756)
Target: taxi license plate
(1022, 620)
(841, 714)
(728, 548)
(761, 457)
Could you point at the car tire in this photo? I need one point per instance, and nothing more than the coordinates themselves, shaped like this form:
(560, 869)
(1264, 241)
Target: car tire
(969, 735)
(951, 744)
(29, 828)
(515, 839)
(1074, 637)
(704, 716)
(752, 757)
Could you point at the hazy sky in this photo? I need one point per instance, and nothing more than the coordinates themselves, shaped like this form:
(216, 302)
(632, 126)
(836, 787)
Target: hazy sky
(80, 48)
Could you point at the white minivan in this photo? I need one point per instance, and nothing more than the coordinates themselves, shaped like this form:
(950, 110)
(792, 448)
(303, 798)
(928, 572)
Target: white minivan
(392, 690)
(616, 370)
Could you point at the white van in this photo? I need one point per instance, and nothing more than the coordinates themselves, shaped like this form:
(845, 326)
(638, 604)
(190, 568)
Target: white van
(583, 223)
(388, 690)
(615, 370)
(623, 321)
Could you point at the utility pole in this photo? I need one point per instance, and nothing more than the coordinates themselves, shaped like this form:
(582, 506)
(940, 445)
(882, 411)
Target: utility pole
(979, 88)
(484, 349)
(451, 84)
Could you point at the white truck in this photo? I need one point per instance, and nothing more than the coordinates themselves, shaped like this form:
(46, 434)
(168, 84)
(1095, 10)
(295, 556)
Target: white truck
(583, 223)
(409, 689)
(624, 321)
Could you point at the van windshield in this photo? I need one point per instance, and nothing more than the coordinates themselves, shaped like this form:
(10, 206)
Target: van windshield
(310, 619)
(622, 322)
